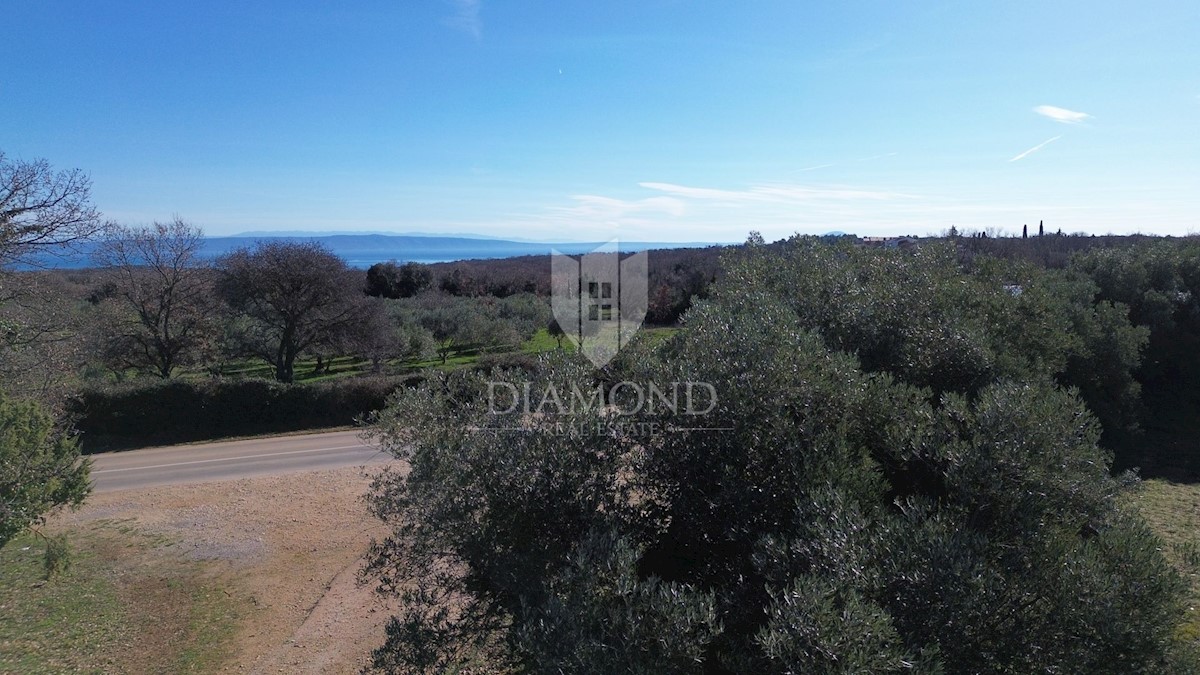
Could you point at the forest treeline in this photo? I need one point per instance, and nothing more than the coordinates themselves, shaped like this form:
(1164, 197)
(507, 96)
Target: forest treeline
(1115, 317)
(675, 277)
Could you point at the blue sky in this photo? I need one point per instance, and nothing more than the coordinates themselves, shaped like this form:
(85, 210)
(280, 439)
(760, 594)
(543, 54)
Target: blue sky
(653, 120)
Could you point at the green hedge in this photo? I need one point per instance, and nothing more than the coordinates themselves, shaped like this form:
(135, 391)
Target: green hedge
(143, 414)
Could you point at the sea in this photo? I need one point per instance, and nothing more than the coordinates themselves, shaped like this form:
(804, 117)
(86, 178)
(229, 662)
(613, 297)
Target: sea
(363, 250)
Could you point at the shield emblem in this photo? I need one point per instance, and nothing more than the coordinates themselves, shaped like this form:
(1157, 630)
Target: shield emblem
(599, 299)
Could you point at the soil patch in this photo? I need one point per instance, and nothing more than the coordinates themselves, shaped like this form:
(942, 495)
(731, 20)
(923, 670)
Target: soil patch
(282, 550)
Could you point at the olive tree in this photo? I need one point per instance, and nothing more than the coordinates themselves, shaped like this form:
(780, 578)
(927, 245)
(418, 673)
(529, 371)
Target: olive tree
(40, 468)
(930, 320)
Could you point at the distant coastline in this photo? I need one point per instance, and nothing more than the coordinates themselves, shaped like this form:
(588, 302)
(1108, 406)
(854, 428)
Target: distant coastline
(363, 250)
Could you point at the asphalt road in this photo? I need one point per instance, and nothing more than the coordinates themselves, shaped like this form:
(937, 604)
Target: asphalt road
(231, 459)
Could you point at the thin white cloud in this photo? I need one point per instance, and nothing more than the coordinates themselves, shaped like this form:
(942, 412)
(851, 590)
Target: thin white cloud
(1061, 114)
(673, 212)
(702, 193)
(804, 193)
(814, 168)
(772, 192)
(1034, 149)
(595, 207)
(466, 17)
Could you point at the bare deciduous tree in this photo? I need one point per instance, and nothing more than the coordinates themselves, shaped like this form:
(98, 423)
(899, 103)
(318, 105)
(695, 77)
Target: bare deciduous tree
(42, 211)
(167, 293)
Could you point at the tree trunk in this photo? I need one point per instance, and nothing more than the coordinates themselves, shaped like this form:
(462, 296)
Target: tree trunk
(285, 371)
(285, 355)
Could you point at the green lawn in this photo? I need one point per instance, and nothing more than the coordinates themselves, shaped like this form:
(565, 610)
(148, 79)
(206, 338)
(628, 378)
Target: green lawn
(542, 341)
(348, 366)
(1173, 511)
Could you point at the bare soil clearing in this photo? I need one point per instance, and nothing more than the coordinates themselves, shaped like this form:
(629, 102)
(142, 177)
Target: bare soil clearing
(286, 549)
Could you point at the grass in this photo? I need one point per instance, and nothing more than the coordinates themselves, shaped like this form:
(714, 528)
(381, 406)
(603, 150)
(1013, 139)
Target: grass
(210, 627)
(126, 604)
(1173, 511)
(349, 366)
(541, 341)
(463, 355)
(70, 622)
(658, 335)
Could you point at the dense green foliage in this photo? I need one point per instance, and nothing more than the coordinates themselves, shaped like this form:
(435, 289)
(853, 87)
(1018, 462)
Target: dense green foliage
(901, 474)
(294, 297)
(179, 411)
(40, 468)
(458, 323)
(1160, 283)
(1156, 279)
(933, 321)
(392, 280)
